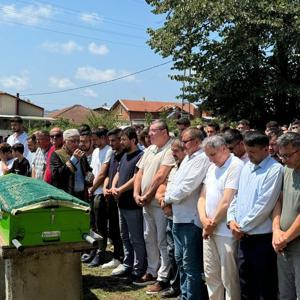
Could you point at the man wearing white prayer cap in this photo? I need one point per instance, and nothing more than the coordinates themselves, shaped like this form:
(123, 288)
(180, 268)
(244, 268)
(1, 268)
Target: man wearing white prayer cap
(69, 166)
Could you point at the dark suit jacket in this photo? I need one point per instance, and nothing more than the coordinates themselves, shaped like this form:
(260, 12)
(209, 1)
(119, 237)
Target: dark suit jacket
(63, 171)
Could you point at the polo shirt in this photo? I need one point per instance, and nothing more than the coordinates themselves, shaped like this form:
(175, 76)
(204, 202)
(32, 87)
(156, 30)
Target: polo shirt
(150, 163)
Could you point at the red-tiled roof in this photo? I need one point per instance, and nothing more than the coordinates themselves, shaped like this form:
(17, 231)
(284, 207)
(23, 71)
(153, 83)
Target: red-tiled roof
(154, 106)
(77, 113)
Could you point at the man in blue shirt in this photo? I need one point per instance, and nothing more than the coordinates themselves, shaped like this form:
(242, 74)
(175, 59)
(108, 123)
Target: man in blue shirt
(249, 219)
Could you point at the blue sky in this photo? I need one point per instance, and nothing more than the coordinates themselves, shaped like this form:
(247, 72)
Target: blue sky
(53, 45)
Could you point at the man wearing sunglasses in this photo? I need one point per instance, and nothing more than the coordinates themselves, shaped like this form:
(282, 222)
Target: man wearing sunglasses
(183, 194)
(56, 140)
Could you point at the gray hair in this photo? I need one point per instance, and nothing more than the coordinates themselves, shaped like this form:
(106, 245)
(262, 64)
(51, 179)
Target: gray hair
(70, 133)
(215, 141)
(161, 124)
(194, 133)
(289, 138)
(177, 143)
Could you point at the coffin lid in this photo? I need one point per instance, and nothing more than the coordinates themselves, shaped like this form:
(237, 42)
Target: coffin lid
(19, 193)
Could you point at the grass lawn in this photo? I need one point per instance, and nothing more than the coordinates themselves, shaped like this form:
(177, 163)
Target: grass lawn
(98, 284)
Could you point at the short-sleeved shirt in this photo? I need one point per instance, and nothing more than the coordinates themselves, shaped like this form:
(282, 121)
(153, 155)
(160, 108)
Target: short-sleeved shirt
(126, 171)
(21, 167)
(290, 204)
(114, 165)
(22, 138)
(217, 180)
(39, 163)
(150, 163)
(100, 157)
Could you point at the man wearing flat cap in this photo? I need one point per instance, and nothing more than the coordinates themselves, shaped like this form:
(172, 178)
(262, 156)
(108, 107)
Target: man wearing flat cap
(69, 166)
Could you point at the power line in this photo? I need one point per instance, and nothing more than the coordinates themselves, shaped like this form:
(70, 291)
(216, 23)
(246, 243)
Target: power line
(77, 25)
(83, 27)
(73, 34)
(78, 13)
(98, 83)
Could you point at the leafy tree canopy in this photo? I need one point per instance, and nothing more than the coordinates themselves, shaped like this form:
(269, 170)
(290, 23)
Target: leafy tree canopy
(242, 58)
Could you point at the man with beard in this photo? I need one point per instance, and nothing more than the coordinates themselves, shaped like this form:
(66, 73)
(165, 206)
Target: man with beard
(18, 136)
(130, 214)
(69, 166)
(108, 208)
(86, 145)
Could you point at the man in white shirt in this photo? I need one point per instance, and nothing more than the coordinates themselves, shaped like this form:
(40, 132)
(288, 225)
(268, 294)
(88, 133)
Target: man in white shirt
(183, 194)
(154, 167)
(219, 246)
(18, 136)
(100, 161)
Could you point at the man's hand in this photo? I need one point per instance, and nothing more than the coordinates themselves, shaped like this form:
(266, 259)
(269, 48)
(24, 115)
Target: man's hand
(145, 199)
(235, 230)
(116, 192)
(279, 240)
(138, 200)
(208, 227)
(107, 193)
(78, 154)
(167, 209)
(205, 234)
(90, 192)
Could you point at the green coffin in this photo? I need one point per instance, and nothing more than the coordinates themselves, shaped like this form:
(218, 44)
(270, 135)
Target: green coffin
(36, 213)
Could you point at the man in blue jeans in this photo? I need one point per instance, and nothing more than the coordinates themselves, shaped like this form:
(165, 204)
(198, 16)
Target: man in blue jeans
(183, 195)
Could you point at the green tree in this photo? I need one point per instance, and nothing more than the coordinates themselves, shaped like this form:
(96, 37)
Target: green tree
(240, 59)
(42, 125)
(148, 118)
(107, 119)
(163, 115)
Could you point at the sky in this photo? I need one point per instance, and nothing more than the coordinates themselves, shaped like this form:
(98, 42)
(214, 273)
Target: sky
(53, 45)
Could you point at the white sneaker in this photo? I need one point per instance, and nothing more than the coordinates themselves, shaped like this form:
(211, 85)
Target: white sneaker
(120, 269)
(112, 264)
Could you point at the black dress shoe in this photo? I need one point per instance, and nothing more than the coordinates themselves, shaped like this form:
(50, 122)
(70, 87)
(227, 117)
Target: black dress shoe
(88, 257)
(170, 293)
(97, 261)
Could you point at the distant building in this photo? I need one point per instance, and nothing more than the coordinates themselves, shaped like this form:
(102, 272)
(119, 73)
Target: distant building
(102, 109)
(134, 111)
(76, 114)
(11, 106)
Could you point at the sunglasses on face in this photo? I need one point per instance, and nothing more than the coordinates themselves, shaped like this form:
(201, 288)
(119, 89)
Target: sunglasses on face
(58, 135)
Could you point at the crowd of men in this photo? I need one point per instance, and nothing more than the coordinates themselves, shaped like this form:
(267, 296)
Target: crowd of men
(211, 214)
